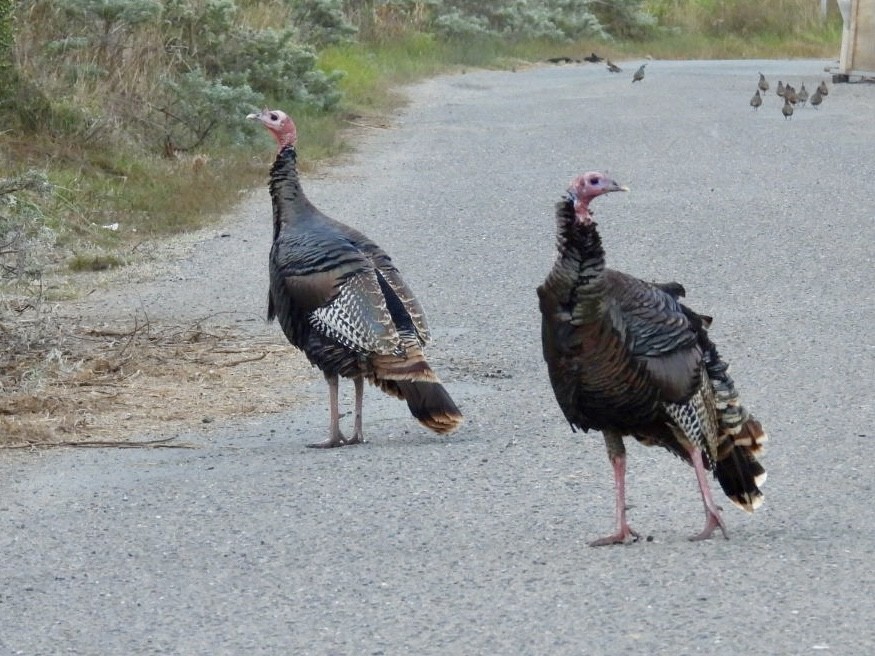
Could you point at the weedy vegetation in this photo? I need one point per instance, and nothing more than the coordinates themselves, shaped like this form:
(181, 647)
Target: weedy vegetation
(122, 121)
(132, 110)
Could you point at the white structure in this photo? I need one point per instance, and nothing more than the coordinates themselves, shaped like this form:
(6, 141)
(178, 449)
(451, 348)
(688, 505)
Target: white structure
(858, 39)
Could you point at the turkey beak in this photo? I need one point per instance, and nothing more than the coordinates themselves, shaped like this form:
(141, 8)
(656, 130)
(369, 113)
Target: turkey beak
(615, 186)
(253, 117)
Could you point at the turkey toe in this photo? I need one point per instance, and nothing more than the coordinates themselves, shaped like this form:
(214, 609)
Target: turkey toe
(622, 537)
(713, 521)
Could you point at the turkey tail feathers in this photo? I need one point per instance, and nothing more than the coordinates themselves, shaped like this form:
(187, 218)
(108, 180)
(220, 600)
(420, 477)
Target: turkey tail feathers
(409, 377)
(751, 436)
(738, 471)
(409, 366)
(741, 436)
(431, 405)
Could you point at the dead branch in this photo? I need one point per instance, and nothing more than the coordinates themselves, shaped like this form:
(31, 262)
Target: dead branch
(163, 443)
(234, 363)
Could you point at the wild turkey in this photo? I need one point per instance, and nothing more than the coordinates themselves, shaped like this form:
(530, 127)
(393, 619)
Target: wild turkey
(763, 84)
(824, 90)
(339, 299)
(790, 94)
(756, 101)
(627, 358)
(780, 89)
(787, 109)
(816, 98)
(639, 74)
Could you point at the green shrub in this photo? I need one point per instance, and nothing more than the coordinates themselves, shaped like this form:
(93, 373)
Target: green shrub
(321, 23)
(105, 25)
(271, 62)
(197, 108)
(558, 20)
(625, 19)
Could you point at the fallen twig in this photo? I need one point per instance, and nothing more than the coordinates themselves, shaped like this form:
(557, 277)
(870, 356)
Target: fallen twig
(163, 443)
(234, 363)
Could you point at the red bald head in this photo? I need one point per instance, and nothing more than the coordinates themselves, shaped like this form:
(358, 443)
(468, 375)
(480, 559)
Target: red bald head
(279, 125)
(586, 187)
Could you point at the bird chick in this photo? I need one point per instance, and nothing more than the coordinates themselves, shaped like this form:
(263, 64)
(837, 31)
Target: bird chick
(787, 109)
(780, 89)
(612, 67)
(763, 84)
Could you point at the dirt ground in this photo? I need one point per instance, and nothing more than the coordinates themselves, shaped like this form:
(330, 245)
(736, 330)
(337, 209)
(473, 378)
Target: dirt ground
(92, 383)
(91, 370)
(173, 341)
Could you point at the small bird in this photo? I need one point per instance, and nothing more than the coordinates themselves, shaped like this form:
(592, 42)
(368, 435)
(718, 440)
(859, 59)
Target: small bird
(612, 67)
(340, 299)
(763, 84)
(802, 96)
(780, 89)
(787, 109)
(639, 74)
(756, 101)
(593, 58)
(816, 98)
(790, 94)
(824, 90)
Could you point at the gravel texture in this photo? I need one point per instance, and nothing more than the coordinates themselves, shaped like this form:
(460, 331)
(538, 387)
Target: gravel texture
(476, 543)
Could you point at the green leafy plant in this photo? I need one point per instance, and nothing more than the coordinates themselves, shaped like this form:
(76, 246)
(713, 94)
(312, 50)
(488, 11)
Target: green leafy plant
(321, 23)
(197, 107)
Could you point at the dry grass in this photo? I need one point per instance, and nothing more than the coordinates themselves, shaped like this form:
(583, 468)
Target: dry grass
(69, 382)
(743, 18)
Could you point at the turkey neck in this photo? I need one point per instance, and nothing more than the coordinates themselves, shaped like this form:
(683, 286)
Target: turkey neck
(578, 274)
(289, 202)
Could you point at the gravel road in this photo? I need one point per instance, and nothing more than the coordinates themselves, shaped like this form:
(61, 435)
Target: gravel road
(476, 544)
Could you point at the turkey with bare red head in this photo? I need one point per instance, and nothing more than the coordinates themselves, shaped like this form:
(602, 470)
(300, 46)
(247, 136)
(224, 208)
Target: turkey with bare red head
(625, 357)
(340, 299)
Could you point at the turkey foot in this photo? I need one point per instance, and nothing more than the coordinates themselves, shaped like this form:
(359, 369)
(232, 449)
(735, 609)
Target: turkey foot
(336, 439)
(356, 438)
(714, 520)
(624, 536)
(335, 436)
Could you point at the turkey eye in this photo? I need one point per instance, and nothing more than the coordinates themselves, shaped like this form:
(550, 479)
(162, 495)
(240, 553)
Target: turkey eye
(273, 117)
(593, 181)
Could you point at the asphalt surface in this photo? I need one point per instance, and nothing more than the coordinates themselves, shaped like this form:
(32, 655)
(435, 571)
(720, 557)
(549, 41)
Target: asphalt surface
(476, 543)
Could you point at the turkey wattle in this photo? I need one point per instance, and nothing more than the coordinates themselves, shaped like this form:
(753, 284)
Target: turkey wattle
(339, 299)
(625, 357)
